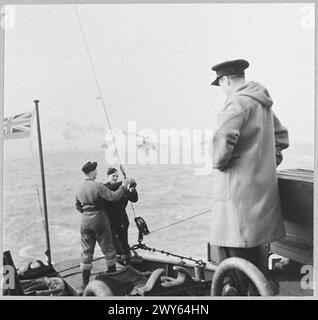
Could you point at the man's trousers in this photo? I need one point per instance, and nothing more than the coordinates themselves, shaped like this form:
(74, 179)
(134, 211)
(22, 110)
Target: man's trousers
(95, 226)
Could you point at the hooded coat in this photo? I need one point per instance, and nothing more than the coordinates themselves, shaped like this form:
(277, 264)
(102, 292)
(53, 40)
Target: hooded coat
(246, 146)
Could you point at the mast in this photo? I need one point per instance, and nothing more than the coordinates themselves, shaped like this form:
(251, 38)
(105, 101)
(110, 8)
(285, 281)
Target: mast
(46, 223)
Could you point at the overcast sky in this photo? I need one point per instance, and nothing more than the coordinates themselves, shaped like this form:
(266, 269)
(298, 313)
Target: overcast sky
(154, 63)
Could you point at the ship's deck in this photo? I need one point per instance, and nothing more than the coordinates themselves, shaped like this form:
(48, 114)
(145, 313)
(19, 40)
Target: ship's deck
(288, 284)
(70, 271)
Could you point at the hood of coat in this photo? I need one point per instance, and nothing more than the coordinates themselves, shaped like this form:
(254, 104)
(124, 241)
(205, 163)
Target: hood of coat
(255, 91)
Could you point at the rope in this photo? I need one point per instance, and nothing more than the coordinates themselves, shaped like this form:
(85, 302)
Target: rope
(43, 287)
(133, 209)
(96, 81)
(174, 223)
(101, 96)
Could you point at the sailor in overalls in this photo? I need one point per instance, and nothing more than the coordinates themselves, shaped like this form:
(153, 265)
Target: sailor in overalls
(95, 225)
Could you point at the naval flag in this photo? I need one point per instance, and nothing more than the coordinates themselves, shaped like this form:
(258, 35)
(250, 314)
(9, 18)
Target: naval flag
(18, 127)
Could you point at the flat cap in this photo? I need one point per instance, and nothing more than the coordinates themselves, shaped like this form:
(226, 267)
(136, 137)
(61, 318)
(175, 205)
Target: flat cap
(227, 68)
(89, 166)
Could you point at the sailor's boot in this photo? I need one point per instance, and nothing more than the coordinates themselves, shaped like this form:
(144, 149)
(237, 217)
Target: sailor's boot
(111, 268)
(85, 278)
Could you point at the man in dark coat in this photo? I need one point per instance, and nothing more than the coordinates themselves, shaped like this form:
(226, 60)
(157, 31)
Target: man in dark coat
(117, 214)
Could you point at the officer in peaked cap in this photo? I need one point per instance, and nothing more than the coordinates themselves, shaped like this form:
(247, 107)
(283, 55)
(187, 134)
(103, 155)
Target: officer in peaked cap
(247, 145)
(227, 68)
(95, 225)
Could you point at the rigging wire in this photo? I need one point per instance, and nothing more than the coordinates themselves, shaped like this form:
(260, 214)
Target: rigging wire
(101, 95)
(174, 223)
(182, 220)
(97, 82)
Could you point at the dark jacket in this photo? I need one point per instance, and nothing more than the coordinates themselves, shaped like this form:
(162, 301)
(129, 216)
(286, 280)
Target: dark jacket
(117, 210)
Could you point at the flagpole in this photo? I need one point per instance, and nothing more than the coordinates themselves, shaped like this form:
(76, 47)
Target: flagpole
(46, 222)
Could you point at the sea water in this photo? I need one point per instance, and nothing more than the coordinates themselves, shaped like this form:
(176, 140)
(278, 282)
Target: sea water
(167, 194)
